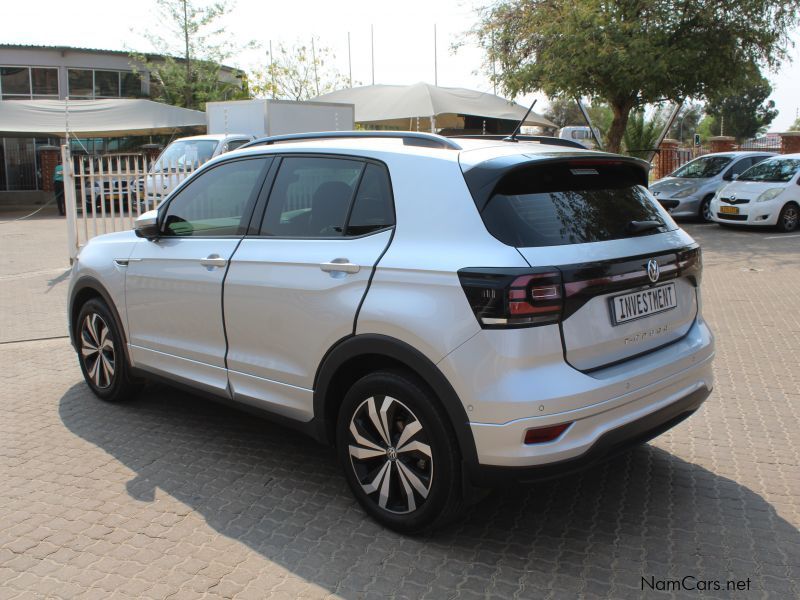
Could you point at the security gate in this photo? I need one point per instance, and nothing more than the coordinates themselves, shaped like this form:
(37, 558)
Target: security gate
(106, 193)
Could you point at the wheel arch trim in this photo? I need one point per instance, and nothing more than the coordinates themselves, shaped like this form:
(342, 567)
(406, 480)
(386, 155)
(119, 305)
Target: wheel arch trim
(87, 282)
(352, 347)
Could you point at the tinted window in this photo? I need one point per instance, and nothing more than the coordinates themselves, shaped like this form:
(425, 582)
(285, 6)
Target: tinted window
(558, 205)
(45, 82)
(774, 169)
(106, 84)
(81, 83)
(705, 166)
(311, 197)
(740, 166)
(234, 144)
(15, 80)
(213, 203)
(131, 85)
(372, 209)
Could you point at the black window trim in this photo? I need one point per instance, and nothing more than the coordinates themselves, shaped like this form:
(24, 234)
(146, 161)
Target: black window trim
(254, 231)
(250, 206)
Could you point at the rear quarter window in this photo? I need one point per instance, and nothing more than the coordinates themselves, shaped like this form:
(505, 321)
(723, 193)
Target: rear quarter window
(572, 203)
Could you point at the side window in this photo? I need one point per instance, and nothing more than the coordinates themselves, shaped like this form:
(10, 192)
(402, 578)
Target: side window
(214, 203)
(311, 197)
(234, 144)
(740, 167)
(372, 209)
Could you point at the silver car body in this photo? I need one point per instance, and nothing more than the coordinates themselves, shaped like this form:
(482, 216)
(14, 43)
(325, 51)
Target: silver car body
(682, 196)
(258, 332)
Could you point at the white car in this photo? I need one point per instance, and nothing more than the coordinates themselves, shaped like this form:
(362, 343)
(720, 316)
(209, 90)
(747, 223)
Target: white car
(183, 156)
(767, 194)
(444, 313)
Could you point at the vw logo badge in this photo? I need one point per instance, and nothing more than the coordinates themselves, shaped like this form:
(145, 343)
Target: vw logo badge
(653, 271)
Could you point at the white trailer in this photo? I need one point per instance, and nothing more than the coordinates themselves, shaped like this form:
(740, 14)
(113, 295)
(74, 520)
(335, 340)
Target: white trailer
(262, 118)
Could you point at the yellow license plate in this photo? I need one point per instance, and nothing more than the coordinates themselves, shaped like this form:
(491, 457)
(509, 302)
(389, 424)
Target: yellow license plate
(729, 210)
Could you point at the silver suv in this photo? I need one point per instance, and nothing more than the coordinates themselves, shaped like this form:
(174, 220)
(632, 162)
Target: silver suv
(449, 314)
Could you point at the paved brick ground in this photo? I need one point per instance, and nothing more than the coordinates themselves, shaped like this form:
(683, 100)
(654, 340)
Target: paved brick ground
(173, 496)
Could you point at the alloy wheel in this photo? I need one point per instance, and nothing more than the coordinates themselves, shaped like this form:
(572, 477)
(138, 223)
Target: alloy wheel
(390, 454)
(706, 210)
(790, 218)
(97, 350)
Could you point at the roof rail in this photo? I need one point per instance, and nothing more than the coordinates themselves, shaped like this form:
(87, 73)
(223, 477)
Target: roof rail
(542, 139)
(410, 138)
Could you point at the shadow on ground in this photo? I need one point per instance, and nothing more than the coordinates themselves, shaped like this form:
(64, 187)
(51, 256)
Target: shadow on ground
(645, 513)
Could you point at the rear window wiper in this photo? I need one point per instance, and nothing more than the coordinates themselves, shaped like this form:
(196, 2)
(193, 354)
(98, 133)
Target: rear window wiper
(642, 226)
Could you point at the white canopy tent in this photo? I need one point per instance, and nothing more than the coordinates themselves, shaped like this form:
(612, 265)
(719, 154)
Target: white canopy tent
(425, 106)
(95, 118)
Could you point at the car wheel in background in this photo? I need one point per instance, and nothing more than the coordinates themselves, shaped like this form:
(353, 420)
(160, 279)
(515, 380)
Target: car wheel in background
(101, 353)
(789, 219)
(399, 452)
(704, 212)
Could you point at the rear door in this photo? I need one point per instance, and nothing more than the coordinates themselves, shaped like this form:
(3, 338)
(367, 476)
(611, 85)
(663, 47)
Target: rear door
(627, 270)
(294, 288)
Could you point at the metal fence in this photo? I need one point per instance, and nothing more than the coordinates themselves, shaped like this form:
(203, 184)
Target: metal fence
(106, 193)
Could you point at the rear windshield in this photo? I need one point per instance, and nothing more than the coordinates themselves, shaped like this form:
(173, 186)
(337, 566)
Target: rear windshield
(700, 168)
(774, 169)
(559, 205)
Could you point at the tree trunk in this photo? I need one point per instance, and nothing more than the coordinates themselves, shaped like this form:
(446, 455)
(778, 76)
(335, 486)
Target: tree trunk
(622, 109)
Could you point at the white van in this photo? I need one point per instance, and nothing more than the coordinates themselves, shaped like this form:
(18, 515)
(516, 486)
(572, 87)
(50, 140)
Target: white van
(579, 133)
(182, 157)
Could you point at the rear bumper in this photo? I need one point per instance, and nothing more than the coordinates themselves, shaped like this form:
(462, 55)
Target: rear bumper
(612, 442)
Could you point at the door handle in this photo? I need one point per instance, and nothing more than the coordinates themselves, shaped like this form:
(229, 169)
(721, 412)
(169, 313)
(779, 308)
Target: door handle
(340, 265)
(213, 260)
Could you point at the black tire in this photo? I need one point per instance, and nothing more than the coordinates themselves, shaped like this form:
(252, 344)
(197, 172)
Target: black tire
(789, 218)
(434, 482)
(101, 353)
(704, 213)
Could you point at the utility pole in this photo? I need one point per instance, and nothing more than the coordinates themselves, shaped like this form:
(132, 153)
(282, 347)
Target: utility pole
(314, 62)
(435, 61)
(349, 60)
(272, 69)
(372, 42)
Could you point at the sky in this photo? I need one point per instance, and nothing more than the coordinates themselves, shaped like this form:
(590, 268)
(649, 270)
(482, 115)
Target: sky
(403, 37)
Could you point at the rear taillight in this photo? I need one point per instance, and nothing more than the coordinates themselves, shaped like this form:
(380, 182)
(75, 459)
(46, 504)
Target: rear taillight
(690, 264)
(502, 298)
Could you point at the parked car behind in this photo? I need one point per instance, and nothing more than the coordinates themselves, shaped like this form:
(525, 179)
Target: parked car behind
(444, 313)
(186, 154)
(766, 194)
(580, 134)
(687, 191)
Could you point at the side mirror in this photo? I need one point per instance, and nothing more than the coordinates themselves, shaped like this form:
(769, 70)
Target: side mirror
(146, 225)
(735, 176)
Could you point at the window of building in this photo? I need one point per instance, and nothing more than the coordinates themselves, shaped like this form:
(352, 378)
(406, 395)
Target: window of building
(44, 82)
(15, 81)
(130, 84)
(106, 84)
(81, 83)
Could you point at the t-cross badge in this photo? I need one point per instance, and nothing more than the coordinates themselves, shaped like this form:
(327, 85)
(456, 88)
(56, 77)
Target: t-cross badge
(449, 314)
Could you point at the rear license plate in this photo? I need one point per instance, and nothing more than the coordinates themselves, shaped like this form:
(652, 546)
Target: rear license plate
(644, 303)
(729, 210)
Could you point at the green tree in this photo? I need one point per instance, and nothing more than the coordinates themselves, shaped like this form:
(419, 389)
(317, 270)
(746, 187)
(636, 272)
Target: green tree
(632, 53)
(745, 112)
(641, 133)
(298, 72)
(564, 111)
(191, 47)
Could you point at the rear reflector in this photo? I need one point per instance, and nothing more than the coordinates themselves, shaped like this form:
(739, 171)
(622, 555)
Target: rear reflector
(540, 435)
(502, 298)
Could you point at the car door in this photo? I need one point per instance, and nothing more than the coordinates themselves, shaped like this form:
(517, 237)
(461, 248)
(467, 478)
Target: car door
(294, 289)
(174, 283)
